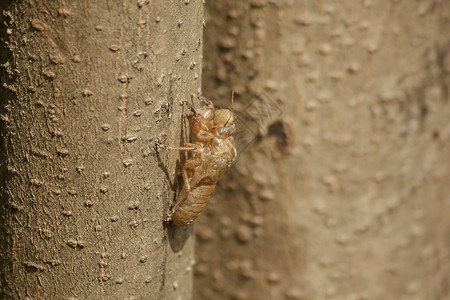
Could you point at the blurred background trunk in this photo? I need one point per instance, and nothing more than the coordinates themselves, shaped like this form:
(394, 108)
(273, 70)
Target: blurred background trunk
(91, 90)
(341, 187)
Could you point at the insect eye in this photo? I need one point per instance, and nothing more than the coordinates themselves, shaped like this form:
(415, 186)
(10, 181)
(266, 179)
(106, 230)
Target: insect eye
(230, 120)
(208, 115)
(224, 117)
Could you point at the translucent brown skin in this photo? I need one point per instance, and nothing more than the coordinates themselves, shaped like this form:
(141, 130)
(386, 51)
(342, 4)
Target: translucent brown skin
(194, 204)
(213, 151)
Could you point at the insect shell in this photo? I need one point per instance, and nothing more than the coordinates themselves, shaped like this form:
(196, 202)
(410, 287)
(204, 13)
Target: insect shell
(213, 151)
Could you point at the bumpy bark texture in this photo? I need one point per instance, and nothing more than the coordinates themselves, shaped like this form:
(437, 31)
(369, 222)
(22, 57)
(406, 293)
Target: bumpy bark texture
(91, 92)
(341, 187)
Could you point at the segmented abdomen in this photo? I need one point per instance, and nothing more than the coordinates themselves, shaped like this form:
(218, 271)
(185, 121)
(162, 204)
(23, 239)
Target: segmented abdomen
(193, 205)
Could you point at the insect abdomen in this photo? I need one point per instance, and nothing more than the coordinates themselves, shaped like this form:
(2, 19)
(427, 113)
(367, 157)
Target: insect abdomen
(193, 205)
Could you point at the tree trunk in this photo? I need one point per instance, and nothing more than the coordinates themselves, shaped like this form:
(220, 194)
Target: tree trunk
(341, 186)
(91, 95)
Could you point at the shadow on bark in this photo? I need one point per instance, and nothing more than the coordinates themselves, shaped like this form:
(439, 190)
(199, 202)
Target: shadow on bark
(178, 236)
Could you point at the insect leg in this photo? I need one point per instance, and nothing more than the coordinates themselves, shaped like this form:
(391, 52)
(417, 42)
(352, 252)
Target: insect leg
(176, 206)
(181, 200)
(207, 101)
(186, 147)
(186, 180)
(192, 109)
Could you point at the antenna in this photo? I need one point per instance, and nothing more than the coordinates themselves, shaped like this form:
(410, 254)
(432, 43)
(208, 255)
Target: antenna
(232, 100)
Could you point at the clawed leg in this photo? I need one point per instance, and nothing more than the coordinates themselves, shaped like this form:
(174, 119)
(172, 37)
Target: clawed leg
(191, 108)
(203, 99)
(186, 147)
(207, 101)
(183, 197)
(186, 180)
(187, 188)
(193, 111)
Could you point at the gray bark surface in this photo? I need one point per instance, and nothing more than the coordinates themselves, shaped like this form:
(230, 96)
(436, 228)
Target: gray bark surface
(345, 193)
(91, 95)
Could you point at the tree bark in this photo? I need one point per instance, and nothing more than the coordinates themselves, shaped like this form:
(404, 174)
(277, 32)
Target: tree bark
(91, 97)
(340, 189)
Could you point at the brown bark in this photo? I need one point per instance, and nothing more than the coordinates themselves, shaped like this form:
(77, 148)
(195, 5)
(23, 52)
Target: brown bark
(344, 194)
(92, 89)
